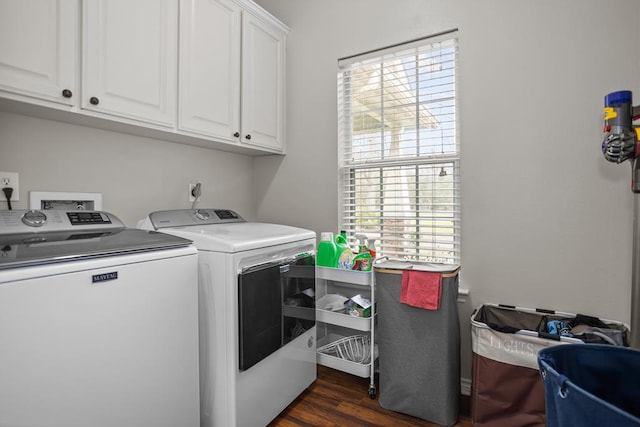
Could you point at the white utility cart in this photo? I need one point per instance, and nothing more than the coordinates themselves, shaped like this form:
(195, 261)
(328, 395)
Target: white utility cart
(346, 342)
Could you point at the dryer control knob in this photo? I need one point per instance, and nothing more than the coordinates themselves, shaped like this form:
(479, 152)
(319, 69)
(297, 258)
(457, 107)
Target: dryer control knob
(34, 218)
(202, 215)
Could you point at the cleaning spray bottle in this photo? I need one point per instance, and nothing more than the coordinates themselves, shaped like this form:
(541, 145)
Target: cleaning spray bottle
(363, 261)
(344, 255)
(327, 250)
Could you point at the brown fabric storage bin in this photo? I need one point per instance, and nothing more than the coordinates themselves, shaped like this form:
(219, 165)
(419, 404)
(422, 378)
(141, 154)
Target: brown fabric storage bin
(506, 388)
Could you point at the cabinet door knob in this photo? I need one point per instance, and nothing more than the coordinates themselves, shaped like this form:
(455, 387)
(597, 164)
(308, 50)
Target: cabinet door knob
(67, 93)
(237, 134)
(247, 137)
(94, 101)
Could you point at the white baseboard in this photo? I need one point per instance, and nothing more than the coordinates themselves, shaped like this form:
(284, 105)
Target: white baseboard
(465, 386)
(463, 294)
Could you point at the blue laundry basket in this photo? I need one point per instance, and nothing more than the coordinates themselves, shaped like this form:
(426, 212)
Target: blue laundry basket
(591, 385)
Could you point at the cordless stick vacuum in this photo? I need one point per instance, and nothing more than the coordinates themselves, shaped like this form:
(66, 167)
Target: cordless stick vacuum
(622, 142)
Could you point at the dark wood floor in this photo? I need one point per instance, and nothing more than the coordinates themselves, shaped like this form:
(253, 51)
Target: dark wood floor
(340, 399)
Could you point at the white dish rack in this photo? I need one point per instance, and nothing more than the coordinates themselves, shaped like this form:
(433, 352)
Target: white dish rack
(356, 348)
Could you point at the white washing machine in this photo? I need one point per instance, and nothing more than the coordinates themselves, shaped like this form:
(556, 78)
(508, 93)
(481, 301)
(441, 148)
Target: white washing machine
(98, 323)
(257, 312)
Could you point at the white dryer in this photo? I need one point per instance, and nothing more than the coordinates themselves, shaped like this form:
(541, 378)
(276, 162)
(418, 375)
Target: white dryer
(257, 312)
(98, 323)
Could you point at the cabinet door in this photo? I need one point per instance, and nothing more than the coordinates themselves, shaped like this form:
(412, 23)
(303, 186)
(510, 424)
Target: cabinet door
(38, 48)
(209, 85)
(263, 63)
(130, 59)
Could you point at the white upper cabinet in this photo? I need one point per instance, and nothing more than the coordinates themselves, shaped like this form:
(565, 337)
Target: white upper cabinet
(129, 62)
(38, 49)
(201, 72)
(232, 73)
(209, 101)
(263, 62)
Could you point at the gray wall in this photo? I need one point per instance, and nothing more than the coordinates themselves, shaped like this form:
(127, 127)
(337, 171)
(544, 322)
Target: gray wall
(135, 175)
(546, 220)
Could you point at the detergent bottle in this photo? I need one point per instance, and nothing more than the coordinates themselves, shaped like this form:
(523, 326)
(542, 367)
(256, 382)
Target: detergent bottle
(327, 250)
(344, 256)
(363, 261)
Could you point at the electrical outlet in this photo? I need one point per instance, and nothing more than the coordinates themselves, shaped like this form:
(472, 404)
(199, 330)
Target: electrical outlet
(192, 191)
(10, 179)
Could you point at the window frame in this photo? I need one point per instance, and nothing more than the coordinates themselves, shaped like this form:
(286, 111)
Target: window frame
(349, 166)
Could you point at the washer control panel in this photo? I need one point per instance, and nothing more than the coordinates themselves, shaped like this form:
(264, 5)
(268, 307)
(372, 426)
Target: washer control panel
(226, 214)
(36, 221)
(84, 217)
(202, 214)
(187, 217)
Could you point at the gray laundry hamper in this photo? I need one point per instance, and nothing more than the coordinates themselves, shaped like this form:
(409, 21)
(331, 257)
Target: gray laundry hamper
(419, 350)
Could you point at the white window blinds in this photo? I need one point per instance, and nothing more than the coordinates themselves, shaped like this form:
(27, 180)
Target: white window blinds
(399, 151)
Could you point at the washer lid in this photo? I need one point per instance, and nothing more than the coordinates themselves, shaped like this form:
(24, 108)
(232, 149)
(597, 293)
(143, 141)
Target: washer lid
(222, 230)
(29, 238)
(240, 236)
(23, 250)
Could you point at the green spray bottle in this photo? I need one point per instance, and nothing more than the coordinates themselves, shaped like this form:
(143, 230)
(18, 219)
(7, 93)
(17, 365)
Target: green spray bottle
(363, 261)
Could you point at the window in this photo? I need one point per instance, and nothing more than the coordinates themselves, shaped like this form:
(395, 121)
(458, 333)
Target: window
(399, 153)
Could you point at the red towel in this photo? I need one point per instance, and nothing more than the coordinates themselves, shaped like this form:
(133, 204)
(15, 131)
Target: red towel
(421, 289)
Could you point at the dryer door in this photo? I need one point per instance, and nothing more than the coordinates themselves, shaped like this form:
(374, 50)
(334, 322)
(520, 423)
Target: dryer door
(276, 303)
